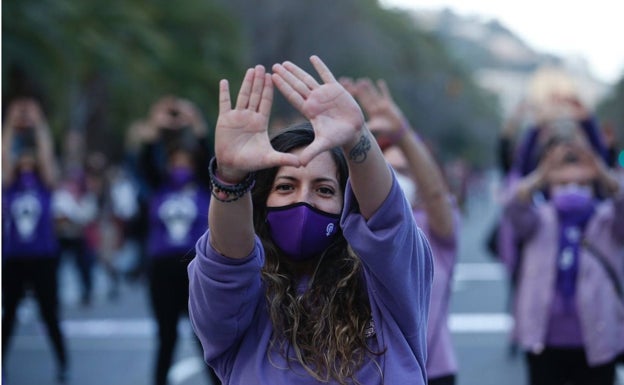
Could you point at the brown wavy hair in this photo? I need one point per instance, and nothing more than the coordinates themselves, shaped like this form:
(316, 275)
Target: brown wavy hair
(324, 328)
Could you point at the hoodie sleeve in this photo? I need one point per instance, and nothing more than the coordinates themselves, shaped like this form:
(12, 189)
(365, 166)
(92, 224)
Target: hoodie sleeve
(223, 296)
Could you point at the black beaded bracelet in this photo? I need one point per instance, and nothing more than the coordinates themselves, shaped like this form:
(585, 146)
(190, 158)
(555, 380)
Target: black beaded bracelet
(228, 192)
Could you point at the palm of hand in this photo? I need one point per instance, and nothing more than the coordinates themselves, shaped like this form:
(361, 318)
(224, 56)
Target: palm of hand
(384, 117)
(242, 139)
(334, 114)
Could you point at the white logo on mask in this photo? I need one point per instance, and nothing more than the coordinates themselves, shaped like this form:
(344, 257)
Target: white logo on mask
(329, 230)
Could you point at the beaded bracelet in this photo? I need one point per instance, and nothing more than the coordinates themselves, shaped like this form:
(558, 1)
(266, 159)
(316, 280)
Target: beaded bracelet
(225, 192)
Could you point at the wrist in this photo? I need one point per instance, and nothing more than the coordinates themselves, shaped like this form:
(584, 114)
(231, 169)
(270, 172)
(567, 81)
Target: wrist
(230, 187)
(401, 133)
(224, 173)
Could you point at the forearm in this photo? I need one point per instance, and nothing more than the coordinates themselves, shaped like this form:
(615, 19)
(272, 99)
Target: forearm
(523, 218)
(45, 155)
(431, 185)
(7, 158)
(369, 174)
(524, 158)
(610, 183)
(148, 165)
(231, 226)
(527, 186)
(593, 135)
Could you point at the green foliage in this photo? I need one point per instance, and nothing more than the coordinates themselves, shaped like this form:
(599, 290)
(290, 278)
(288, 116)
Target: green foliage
(101, 63)
(358, 38)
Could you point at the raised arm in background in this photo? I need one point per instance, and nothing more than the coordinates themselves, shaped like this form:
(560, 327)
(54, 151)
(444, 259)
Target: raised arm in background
(386, 119)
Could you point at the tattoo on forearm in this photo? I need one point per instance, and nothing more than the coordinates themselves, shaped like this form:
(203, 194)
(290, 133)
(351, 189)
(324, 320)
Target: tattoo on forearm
(359, 152)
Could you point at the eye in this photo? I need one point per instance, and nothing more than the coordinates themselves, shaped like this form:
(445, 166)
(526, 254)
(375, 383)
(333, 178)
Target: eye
(327, 191)
(283, 187)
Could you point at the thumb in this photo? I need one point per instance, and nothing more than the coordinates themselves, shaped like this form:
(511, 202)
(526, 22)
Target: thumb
(312, 151)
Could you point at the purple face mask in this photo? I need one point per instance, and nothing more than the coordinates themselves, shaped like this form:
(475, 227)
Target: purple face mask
(179, 176)
(575, 204)
(300, 230)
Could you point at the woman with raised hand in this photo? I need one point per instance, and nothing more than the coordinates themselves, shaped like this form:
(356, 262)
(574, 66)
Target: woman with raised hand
(569, 302)
(434, 209)
(320, 274)
(30, 249)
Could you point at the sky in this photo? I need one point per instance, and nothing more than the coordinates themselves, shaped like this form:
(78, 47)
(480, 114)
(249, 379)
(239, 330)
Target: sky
(560, 27)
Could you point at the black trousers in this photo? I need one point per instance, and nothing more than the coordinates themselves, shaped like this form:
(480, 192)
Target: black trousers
(40, 275)
(558, 366)
(169, 292)
(84, 260)
(445, 380)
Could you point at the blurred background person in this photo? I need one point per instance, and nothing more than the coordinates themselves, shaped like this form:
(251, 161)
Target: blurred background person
(568, 214)
(173, 160)
(76, 209)
(30, 249)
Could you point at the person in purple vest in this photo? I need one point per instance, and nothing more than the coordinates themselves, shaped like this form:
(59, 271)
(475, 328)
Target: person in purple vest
(177, 218)
(320, 275)
(569, 304)
(435, 212)
(30, 250)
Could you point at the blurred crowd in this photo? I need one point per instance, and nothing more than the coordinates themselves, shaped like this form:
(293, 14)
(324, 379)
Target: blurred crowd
(137, 220)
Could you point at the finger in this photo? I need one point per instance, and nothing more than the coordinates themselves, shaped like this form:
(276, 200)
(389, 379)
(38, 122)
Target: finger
(322, 69)
(298, 79)
(313, 150)
(276, 158)
(243, 94)
(293, 97)
(383, 87)
(367, 93)
(257, 88)
(267, 96)
(348, 84)
(225, 104)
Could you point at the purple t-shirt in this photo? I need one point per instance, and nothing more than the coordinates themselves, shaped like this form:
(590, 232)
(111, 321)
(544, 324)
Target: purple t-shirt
(27, 222)
(229, 314)
(441, 359)
(177, 218)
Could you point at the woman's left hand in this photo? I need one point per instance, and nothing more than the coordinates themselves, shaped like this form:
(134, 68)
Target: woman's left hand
(336, 117)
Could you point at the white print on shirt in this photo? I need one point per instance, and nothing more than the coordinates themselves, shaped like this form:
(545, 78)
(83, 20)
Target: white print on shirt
(178, 212)
(566, 259)
(26, 211)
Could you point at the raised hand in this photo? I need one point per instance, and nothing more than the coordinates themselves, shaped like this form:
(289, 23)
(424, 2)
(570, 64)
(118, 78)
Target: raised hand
(241, 140)
(384, 116)
(336, 117)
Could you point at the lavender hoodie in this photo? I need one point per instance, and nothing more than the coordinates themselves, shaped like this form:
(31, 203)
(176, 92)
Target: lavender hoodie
(441, 359)
(600, 310)
(229, 314)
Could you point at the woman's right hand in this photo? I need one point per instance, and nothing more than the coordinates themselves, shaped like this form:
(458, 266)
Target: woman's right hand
(241, 140)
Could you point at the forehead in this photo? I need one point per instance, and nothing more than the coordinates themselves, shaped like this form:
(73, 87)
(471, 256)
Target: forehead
(572, 173)
(322, 166)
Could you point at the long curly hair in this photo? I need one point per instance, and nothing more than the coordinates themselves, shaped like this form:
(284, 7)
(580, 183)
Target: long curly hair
(324, 328)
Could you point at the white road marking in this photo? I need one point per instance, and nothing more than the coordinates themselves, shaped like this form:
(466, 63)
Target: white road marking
(185, 369)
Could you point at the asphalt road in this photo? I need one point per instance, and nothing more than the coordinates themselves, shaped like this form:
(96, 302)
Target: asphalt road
(113, 341)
